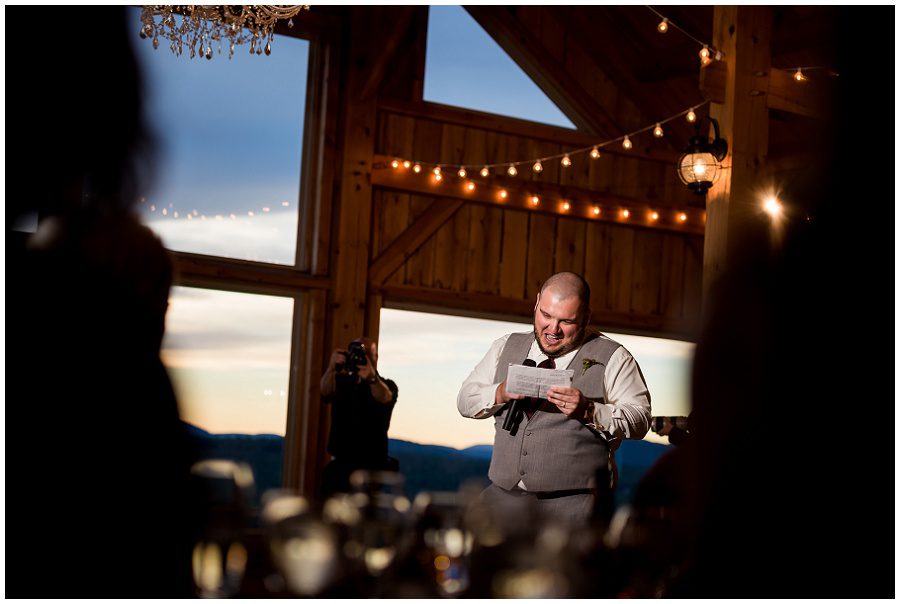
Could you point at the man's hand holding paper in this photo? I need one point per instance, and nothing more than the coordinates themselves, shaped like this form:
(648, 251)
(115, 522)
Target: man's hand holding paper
(536, 381)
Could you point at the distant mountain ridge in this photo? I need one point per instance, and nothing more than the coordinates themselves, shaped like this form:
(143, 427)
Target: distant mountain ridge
(425, 467)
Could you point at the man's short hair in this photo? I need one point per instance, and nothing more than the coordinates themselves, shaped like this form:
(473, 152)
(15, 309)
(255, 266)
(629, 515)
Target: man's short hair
(569, 285)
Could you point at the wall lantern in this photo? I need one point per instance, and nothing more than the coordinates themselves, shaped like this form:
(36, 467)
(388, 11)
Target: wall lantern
(699, 167)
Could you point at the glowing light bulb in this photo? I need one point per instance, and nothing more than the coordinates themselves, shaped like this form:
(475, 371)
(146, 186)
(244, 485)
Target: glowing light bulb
(566, 161)
(663, 26)
(625, 213)
(772, 206)
(658, 131)
(470, 186)
(626, 144)
(691, 116)
(512, 170)
(485, 172)
(417, 168)
(799, 76)
(406, 164)
(535, 200)
(566, 206)
(595, 152)
(395, 164)
(438, 177)
(537, 167)
(596, 210)
(654, 216)
(503, 194)
(462, 172)
(704, 52)
(682, 217)
(437, 171)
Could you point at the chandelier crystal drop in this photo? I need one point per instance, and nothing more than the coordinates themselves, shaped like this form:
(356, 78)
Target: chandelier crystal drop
(197, 27)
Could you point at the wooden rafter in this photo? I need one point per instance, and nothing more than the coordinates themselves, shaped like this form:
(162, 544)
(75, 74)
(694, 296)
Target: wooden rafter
(524, 47)
(782, 92)
(390, 43)
(655, 101)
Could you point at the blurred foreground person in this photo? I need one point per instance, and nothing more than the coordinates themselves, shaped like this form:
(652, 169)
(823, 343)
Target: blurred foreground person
(362, 403)
(786, 486)
(97, 463)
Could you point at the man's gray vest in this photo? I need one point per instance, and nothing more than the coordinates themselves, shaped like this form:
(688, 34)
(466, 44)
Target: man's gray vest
(551, 451)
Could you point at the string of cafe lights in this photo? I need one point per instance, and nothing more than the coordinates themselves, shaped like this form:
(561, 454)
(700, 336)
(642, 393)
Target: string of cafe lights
(564, 206)
(537, 163)
(709, 53)
(169, 211)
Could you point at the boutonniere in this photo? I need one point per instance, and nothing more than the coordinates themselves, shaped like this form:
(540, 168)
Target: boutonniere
(587, 364)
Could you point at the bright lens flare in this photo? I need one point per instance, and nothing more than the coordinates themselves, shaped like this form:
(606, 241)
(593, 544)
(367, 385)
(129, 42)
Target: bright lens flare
(772, 207)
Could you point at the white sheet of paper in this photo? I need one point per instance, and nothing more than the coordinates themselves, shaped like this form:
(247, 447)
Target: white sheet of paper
(535, 381)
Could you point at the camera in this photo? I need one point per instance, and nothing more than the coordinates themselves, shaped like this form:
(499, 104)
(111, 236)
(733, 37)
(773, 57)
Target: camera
(356, 356)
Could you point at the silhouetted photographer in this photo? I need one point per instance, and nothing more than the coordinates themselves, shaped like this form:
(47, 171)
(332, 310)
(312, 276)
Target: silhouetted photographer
(361, 406)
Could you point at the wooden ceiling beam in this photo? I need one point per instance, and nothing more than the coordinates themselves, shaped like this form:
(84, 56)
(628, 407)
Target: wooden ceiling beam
(525, 48)
(389, 45)
(520, 191)
(808, 98)
(610, 55)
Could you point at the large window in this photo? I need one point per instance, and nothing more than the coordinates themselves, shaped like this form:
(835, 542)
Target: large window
(229, 133)
(229, 357)
(228, 198)
(464, 67)
(430, 355)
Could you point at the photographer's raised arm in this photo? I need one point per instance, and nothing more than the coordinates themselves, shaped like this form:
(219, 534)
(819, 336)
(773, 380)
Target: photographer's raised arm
(380, 390)
(327, 386)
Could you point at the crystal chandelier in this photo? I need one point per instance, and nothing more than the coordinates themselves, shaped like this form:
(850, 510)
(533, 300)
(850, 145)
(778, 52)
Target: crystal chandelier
(200, 27)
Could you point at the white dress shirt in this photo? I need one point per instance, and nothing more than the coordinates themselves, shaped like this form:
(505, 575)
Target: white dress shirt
(624, 412)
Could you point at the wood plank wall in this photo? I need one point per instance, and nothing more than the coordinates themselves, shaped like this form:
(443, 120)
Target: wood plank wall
(642, 279)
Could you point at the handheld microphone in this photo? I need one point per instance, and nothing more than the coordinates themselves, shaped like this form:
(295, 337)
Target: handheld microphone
(513, 413)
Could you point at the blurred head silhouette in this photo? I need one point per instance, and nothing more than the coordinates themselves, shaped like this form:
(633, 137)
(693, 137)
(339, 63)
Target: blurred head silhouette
(73, 107)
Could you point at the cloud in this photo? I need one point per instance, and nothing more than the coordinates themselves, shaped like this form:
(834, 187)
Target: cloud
(217, 329)
(263, 237)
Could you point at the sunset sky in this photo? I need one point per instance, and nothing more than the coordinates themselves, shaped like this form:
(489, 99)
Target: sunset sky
(227, 184)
